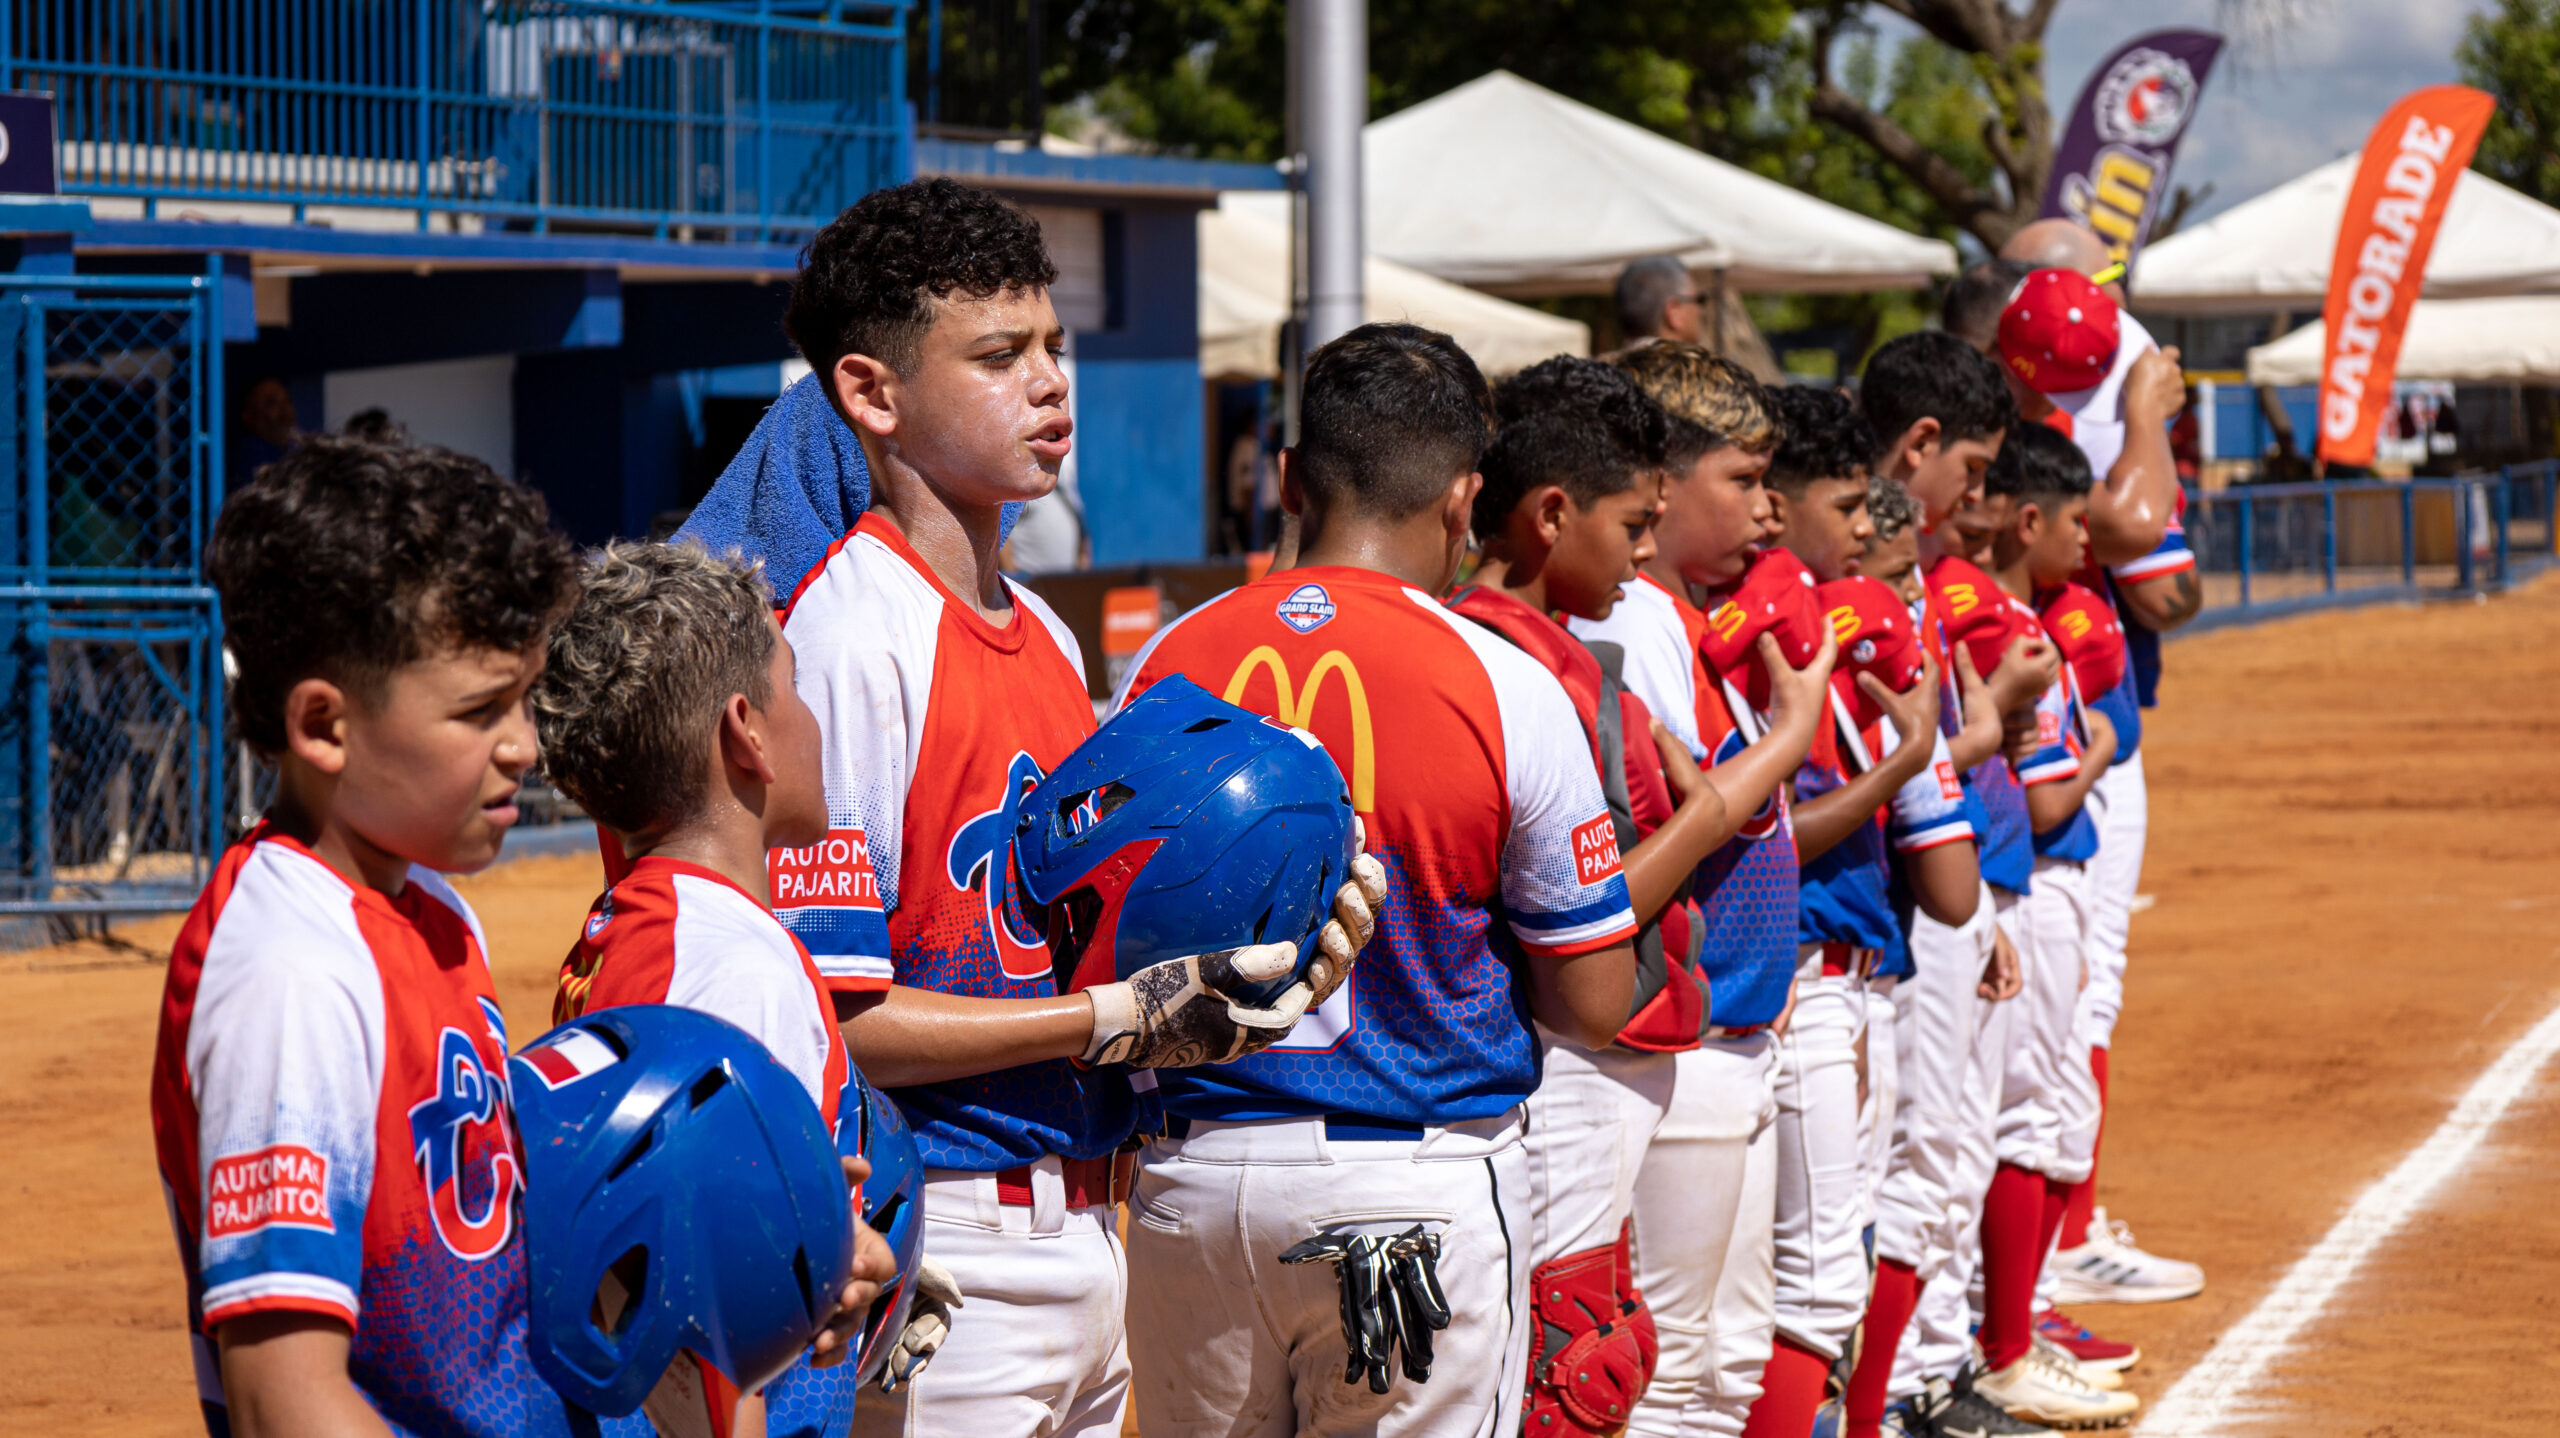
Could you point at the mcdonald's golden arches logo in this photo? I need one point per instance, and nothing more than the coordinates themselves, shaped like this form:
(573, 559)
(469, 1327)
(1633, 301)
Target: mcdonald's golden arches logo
(1297, 707)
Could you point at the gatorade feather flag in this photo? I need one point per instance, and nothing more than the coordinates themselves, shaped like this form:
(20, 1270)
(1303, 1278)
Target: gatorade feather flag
(2112, 171)
(2410, 164)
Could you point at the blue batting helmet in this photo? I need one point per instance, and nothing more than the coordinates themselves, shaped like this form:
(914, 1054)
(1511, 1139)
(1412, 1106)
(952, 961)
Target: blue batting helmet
(681, 1193)
(1183, 826)
(870, 1126)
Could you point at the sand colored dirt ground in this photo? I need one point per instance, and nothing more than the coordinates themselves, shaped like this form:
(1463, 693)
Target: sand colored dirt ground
(2356, 858)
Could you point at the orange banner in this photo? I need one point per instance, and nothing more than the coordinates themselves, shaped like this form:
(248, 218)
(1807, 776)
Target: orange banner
(2410, 163)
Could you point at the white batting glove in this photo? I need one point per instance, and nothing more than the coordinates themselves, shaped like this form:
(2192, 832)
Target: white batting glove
(928, 1323)
(1182, 1012)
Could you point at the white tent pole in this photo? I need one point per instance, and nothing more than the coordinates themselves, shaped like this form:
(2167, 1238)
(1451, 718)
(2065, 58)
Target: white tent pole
(1332, 108)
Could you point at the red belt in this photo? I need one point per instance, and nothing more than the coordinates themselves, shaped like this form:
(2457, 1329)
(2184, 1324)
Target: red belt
(1738, 1031)
(1090, 1182)
(1841, 960)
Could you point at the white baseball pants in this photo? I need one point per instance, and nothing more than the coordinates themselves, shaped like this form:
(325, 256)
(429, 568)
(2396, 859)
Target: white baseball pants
(1884, 1086)
(1705, 1203)
(1822, 1212)
(2120, 803)
(1586, 1130)
(1036, 1347)
(1937, 1014)
(1940, 1338)
(1229, 1341)
(2050, 1095)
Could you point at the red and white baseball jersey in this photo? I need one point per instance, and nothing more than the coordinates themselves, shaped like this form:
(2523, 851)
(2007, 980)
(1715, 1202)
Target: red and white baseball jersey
(672, 932)
(329, 1100)
(1659, 632)
(1469, 767)
(936, 724)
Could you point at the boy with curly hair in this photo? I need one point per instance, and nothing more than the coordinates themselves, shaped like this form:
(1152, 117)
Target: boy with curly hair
(329, 1089)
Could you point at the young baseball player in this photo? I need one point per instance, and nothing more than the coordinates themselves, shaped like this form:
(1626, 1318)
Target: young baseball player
(2048, 1092)
(668, 713)
(1706, 1192)
(1939, 411)
(328, 1093)
(2094, 375)
(1846, 927)
(1566, 515)
(1396, 1107)
(943, 694)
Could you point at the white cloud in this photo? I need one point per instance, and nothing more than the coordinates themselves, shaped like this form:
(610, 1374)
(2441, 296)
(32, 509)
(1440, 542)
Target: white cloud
(2281, 99)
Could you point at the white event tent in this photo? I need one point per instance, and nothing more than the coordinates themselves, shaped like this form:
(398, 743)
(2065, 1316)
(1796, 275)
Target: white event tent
(1513, 188)
(2273, 252)
(1244, 298)
(2513, 340)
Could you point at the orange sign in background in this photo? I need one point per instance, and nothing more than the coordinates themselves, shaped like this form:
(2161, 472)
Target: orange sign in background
(2410, 164)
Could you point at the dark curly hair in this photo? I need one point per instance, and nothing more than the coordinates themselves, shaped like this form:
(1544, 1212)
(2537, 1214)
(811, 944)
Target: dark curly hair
(1579, 424)
(868, 281)
(1388, 415)
(1930, 374)
(345, 560)
(1826, 439)
(2038, 464)
(641, 667)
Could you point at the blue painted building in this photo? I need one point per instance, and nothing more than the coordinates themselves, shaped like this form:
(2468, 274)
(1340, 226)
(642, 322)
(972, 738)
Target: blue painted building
(560, 235)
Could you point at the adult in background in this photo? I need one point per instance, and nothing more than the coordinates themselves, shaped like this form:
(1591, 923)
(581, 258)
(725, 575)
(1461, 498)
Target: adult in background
(1658, 300)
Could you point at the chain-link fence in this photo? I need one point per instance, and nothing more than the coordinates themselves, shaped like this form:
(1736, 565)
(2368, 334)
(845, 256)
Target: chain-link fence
(111, 777)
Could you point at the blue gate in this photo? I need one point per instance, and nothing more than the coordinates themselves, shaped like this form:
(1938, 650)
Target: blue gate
(111, 780)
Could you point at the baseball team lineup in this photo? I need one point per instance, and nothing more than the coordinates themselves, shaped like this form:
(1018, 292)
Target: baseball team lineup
(1618, 930)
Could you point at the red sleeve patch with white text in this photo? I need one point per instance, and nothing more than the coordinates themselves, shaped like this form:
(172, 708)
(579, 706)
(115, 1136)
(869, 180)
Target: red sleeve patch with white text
(1949, 787)
(1595, 851)
(834, 872)
(281, 1185)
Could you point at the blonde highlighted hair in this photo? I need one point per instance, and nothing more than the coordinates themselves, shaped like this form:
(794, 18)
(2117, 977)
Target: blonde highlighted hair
(1713, 401)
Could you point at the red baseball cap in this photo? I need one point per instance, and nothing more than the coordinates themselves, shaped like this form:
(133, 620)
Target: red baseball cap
(2059, 332)
(1775, 597)
(2092, 641)
(1876, 637)
(1976, 612)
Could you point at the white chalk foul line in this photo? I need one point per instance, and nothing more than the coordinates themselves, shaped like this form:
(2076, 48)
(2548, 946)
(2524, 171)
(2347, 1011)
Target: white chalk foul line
(2208, 1397)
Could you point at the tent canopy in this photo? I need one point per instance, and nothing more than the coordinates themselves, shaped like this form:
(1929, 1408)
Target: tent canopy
(2510, 340)
(2272, 252)
(1244, 298)
(1513, 188)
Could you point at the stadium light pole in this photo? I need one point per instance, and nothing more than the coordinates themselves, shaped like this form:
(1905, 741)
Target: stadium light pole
(1333, 105)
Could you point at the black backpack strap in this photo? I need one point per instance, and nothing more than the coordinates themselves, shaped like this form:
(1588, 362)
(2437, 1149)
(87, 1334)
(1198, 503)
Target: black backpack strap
(1610, 725)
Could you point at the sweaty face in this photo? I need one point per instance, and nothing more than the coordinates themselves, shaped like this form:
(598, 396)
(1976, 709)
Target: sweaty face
(984, 416)
(1715, 517)
(1597, 549)
(796, 805)
(433, 764)
(1828, 529)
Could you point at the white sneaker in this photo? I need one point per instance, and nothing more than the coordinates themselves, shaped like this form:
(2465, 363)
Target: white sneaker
(2041, 1391)
(2099, 1378)
(2106, 1267)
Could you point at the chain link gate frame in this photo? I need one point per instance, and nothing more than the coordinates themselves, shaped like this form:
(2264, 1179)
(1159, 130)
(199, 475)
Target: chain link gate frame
(112, 774)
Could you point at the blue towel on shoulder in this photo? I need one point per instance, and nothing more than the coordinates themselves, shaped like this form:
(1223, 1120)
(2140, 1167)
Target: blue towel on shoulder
(796, 487)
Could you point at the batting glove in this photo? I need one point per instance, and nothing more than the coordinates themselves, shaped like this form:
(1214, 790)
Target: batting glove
(1354, 923)
(1180, 1012)
(928, 1323)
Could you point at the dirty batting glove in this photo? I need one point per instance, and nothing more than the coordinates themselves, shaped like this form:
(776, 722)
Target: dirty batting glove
(1354, 921)
(928, 1324)
(1180, 1013)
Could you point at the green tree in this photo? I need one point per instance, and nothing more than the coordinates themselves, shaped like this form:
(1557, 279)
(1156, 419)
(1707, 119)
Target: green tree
(2513, 52)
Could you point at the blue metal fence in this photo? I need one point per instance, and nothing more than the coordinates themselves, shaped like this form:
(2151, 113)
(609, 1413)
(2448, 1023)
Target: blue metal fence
(751, 119)
(2266, 549)
(111, 780)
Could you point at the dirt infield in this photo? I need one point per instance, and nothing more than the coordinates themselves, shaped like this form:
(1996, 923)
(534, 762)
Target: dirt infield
(2355, 823)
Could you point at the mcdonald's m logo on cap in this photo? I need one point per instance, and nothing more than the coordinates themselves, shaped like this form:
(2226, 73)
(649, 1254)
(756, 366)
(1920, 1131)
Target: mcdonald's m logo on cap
(1297, 707)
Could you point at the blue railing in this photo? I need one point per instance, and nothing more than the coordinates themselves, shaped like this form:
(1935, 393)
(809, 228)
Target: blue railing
(746, 119)
(2267, 549)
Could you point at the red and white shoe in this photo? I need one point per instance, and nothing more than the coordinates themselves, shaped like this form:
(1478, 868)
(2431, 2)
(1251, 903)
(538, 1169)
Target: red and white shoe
(2104, 1355)
(2106, 1267)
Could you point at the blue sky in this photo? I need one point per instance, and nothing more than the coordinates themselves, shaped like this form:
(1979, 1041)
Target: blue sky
(2279, 102)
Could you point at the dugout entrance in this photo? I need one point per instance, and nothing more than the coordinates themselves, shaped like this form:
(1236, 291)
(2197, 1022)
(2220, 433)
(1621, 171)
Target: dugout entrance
(112, 790)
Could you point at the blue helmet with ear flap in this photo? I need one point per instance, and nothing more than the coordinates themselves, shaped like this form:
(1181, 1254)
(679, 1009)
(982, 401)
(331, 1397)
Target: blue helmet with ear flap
(1184, 825)
(869, 1125)
(681, 1194)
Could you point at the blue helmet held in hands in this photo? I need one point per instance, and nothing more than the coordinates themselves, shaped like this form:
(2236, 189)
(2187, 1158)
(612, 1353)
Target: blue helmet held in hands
(870, 1126)
(681, 1193)
(1184, 825)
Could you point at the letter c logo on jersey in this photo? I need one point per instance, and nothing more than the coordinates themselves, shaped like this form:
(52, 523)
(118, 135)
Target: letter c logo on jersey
(466, 1122)
(1297, 708)
(981, 858)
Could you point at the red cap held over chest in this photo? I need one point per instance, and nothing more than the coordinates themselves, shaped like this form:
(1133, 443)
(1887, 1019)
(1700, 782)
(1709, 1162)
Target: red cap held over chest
(1776, 597)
